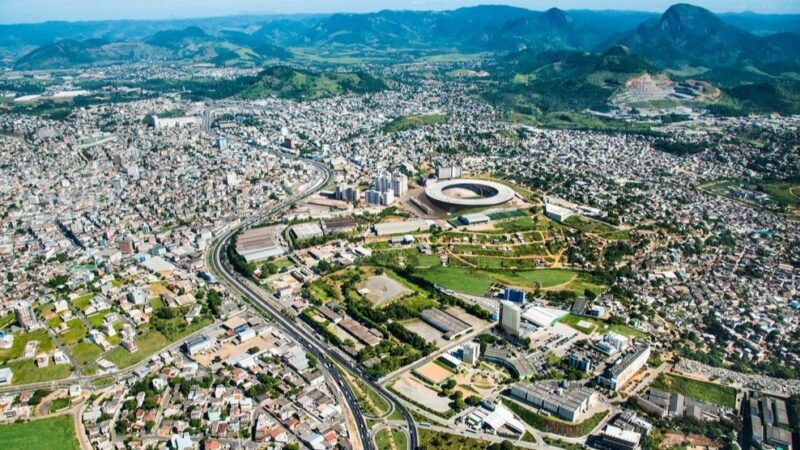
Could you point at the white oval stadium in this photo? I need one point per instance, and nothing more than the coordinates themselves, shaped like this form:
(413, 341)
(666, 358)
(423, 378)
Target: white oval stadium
(467, 193)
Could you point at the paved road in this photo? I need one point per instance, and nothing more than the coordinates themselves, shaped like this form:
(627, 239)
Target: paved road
(309, 342)
(305, 338)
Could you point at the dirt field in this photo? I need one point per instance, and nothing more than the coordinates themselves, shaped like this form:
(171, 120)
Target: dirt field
(383, 289)
(434, 373)
(694, 441)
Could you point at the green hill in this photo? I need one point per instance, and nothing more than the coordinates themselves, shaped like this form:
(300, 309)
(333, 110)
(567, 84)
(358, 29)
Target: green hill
(299, 84)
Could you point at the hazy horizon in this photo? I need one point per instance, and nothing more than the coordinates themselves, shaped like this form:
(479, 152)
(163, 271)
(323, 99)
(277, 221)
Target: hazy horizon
(35, 11)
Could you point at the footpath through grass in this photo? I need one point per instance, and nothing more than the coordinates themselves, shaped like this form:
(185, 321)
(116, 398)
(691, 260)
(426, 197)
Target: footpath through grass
(697, 390)
(57, 433)
(384, 437)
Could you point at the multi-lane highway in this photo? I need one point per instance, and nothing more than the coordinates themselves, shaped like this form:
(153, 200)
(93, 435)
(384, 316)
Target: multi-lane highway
(307, 339)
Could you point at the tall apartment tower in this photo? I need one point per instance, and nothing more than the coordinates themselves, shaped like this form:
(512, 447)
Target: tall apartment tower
(510, 318)
(399, 184)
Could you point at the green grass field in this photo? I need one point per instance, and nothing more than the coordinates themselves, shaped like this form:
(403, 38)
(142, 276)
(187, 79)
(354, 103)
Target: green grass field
(410, 122)
(382, 439)
(59, 404)
(508, 214)
(601, 327)
(83, 301)
(476, 282)
(517, 225)
(25, 372)
(283, 263)
(587, 225)
(698, 390)
(784, 193)
(20, 339)
(96, 319)
(444, 441)
(157, 303)
(85, 352)
(458, 279)
(57, 433)
(7, 320)
(148, 343)
(76, 331)
(554, 425)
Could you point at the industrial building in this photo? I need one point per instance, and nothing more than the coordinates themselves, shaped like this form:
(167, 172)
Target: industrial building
(198, 345)
(449, 325)
(306, 231)
(259, 243)
(769, 421)
(498, 420)
(663, 404)
(557, 213)
(408, 226)
(618, 375)
(614, 438)
(365, 335)
(474, 219)
(565, 400)
(339, 225)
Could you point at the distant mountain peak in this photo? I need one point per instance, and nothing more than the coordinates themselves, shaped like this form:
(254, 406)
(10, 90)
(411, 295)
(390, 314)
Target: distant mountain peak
(683, 18)
(557, 17)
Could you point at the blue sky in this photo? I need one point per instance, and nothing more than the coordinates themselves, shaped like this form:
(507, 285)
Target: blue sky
(16, 11)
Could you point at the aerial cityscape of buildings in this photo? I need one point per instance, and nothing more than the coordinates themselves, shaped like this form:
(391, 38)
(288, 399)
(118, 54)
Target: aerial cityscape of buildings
(191, 272)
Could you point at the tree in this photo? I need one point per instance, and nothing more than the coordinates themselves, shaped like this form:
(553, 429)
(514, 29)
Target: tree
(473, 400)
(324, 266)
(458, 401)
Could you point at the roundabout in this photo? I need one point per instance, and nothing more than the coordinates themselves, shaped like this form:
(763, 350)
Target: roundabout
(468, 193)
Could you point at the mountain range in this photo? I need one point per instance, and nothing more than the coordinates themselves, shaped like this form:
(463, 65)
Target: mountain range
(682, 36)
